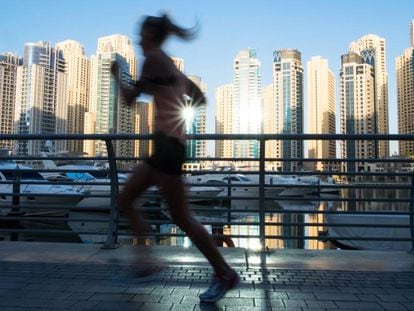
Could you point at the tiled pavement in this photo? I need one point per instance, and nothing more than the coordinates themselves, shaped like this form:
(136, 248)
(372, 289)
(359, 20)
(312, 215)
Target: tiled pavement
(73, 284)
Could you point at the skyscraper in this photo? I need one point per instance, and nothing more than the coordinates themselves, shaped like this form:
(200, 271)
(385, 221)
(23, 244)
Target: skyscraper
(288, 92)
(372, 50)
(41, 97)
(196, 121)
(321, 111)
(357, 109)
(123, 46)
(77, 70)
(247, 112)
(405, 96)
(270, 124)
(8, 77)
(106, 108)
(144, 123)
(90, 115)
(224, 120)
(197, 148)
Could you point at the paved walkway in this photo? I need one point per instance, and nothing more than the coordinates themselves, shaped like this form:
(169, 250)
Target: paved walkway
(58, 276)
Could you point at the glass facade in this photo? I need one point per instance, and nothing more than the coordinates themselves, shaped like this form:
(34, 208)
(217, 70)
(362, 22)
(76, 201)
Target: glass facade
(41, 93)
(247, 111)
(288, 86)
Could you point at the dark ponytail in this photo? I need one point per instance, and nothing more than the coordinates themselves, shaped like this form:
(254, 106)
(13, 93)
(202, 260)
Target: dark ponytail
(164, 27)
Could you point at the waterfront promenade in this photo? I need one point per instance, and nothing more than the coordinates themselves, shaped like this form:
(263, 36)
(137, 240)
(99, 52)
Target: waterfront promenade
(68, 276)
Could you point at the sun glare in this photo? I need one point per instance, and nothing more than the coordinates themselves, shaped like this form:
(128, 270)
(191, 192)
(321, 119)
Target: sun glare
(188, 114)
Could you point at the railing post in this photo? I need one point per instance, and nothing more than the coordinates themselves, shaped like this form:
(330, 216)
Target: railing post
(112, 236)
(229, 200)
(15, 210)
(411, 214)
(262, 215)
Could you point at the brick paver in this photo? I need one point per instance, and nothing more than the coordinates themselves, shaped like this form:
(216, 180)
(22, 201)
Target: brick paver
(93, 286)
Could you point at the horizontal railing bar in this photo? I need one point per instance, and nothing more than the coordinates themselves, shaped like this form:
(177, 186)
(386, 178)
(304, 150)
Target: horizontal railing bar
(55, 157)
(355, 185)
(328, 160)
(214, 223)
(374, 213)
(306, 211)
(308, 198)
(120, 136)
(80, 195)
(54, 183)
(40, 218)
(244, 211)
(325, 186)
(305, 173)
(297, 173)
(315, 198)
(287, 237)
(323, 238)
(30, 194)
(45, 231)
(156, 234)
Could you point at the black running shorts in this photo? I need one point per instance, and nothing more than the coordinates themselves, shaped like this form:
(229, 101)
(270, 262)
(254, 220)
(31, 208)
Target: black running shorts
(169, 154)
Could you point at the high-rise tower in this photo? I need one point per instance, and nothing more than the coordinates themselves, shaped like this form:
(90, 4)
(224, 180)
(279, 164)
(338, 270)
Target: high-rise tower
(371, 48)
(288, 94)
(247, 112)
(405, 95)
(357, 109)
(41, 97)
(8, 77)
(269, 124)
(196, 120)
(77, 70)
(107, 112)
(320, 111)
(224, 119)
(197, 148)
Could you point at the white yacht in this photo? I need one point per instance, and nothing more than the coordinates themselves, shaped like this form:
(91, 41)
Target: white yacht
(194, 193)
(240, 185)
(300, 186)
(243, 186)
(281, 185)
(197, 194)
(99, 194)
(37, 197)
(94, 179)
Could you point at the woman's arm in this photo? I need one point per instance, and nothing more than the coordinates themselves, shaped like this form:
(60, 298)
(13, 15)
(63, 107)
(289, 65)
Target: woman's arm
(195, 93)
(128, 93)
(153, 79)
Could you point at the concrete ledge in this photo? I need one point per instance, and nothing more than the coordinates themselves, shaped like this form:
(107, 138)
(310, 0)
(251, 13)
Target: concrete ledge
(280, 259)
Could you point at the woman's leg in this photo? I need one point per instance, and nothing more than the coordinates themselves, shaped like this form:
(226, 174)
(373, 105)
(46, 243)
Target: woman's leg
(172, 187)
(140, 180)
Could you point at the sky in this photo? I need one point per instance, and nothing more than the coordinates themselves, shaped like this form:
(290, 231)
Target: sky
(314, 27)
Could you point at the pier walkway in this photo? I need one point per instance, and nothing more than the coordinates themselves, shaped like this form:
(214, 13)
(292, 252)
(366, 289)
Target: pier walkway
(68, 276)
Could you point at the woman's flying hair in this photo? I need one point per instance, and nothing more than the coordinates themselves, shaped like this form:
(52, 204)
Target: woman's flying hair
(164, 27)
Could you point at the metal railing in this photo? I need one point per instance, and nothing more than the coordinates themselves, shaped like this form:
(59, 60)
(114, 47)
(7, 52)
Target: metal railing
(352, 200)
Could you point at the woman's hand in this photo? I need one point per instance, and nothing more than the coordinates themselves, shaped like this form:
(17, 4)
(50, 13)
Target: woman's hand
(195, 93)
(129, 94)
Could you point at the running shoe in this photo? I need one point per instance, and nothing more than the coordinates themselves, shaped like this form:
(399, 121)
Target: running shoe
(219, 287)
